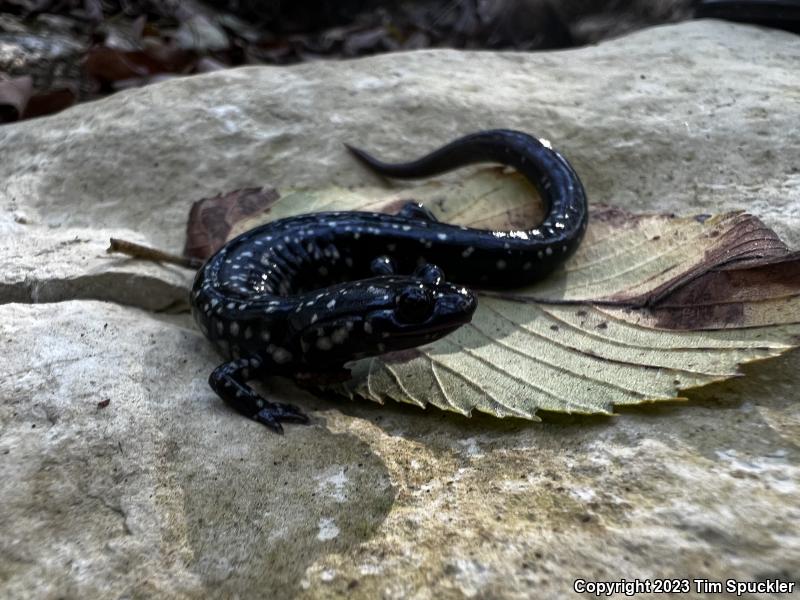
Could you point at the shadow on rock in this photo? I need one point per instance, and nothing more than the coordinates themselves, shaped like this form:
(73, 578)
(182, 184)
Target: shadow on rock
(261, 508)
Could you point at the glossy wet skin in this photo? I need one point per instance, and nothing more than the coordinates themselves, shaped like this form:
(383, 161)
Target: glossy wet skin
(356, 320)
(303, 295)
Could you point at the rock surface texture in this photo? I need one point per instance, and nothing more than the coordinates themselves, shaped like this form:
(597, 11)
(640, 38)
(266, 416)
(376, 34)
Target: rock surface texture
(124, 476)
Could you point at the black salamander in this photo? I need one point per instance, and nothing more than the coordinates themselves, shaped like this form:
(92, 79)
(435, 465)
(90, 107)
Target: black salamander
(302, 296)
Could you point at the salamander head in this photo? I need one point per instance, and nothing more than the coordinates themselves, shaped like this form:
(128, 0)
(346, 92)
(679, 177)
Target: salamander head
(380, 315)
(419, 312)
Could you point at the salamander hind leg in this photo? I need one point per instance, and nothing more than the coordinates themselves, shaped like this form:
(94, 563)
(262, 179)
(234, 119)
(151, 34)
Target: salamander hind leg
(229, 381)
(415, 210)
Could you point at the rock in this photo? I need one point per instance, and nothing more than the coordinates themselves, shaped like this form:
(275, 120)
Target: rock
(72, 263)
(123, 474)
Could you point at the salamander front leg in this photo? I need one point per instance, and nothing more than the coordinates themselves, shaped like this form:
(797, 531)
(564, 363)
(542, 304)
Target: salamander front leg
(229, 381)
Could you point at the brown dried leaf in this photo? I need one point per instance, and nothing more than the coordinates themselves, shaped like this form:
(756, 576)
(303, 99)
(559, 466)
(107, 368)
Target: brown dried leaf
(14, 96)
(109, 65)
(211, 220)
(50, 102)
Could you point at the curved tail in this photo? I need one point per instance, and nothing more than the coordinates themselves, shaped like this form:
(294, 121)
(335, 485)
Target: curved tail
(557, 182)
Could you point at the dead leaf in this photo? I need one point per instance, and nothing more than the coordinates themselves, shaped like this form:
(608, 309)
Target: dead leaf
(109, 65)
(200, 34)
(211, 219)
(14, 96)
(649, 306)
(50, 102)
(208, 64)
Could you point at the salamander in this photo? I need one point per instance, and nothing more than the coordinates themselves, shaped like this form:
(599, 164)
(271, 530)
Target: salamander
(302, 296)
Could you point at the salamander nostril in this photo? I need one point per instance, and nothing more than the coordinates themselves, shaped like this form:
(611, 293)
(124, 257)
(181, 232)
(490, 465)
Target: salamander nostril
(465, 302)
(469, 303)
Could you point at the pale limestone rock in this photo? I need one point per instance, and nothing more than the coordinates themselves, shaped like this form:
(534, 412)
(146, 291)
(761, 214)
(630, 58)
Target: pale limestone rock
(165, 492)
(41, 265)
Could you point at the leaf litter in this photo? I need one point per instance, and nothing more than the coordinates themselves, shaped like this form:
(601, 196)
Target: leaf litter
(648, 307)
(98, 47)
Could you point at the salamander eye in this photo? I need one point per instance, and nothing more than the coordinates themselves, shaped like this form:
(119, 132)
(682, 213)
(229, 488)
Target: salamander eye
(414, 305)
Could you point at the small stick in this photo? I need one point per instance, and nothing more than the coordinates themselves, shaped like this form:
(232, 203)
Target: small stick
(151, 254)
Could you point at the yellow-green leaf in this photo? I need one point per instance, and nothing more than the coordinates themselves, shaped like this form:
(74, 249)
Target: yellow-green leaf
(650, 305)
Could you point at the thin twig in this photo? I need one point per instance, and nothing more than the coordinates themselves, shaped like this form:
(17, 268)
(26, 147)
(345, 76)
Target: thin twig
(151, 254)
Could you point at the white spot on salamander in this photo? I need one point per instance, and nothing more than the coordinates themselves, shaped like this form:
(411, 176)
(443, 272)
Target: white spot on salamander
(441, 236)
(331, 304)
(466, 253)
